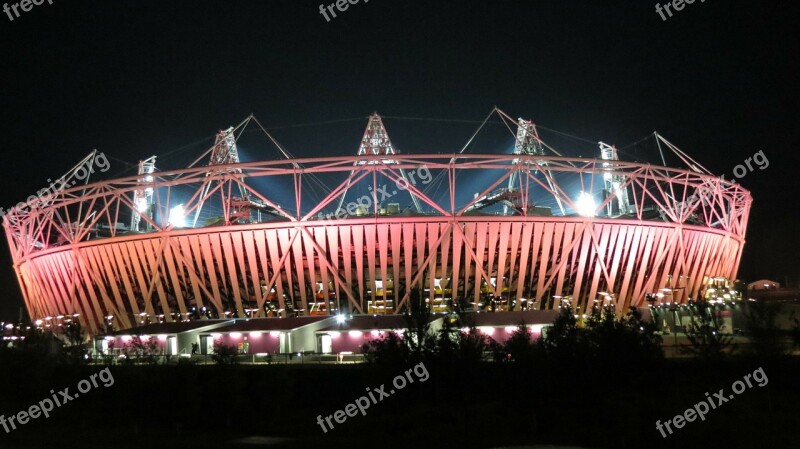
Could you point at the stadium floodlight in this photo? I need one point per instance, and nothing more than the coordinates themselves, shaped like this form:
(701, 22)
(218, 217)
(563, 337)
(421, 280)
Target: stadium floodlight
(177, 217)
(585, 205)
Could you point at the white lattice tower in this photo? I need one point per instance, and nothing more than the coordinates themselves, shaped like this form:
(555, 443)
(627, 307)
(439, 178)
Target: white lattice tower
(528, 144)
(143, 197)
(224, 152)
(614, 184)
(376, 142)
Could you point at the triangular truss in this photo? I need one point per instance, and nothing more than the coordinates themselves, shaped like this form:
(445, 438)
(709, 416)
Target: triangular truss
(376, 142)
(223, 152)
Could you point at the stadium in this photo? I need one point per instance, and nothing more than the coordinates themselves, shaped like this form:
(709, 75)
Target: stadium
(509, 228)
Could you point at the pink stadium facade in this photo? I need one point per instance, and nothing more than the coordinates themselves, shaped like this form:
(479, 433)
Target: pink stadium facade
(677, 229)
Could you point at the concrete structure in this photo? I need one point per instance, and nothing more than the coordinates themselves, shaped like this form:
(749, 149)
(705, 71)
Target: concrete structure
(347, 336)
(268, 335)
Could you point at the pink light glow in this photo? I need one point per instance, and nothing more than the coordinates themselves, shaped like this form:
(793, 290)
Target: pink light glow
(255, 334)
(355, 334)
(274, 334)
(236, 335)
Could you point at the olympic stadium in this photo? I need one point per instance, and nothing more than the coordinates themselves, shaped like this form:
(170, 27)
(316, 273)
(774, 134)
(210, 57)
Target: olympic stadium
(514, 227)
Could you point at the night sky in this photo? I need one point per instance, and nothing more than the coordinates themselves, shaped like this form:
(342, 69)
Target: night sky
(137, 78)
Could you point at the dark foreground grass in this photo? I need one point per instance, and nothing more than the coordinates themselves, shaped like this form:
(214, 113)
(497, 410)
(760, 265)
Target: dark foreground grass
(470, 406)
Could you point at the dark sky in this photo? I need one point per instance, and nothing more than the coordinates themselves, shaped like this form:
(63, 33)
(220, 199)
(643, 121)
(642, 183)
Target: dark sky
(134, 78)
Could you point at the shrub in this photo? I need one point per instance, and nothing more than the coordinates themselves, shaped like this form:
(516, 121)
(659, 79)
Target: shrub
(705, 339)
(224, 354)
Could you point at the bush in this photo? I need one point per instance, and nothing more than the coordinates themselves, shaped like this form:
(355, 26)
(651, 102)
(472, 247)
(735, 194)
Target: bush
(766, 338)
(224, 354)
(606, 338)
(705, 339)
(389, 349)
(618, 340)
(520, 346)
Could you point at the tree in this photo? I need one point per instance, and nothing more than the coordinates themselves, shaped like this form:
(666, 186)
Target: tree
(604, 337)
(520, 345)
(74, 339)
(142, 350)
(617, 340)
(705, 339)
(417, 334)
(472, 344)
(456, 345)
(564, 340)
(766, 337)
(795, 332)
(389, 349)
(224, 354)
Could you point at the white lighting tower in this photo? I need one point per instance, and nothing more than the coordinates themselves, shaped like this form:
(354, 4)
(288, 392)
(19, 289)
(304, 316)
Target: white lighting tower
(376, 142)
(224, 152)
(143, 197)
(614, 184)
(528, 143)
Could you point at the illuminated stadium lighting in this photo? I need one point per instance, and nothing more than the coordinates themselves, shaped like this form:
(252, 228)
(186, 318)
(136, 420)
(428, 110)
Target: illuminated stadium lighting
(585, 205)
(177, 217)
